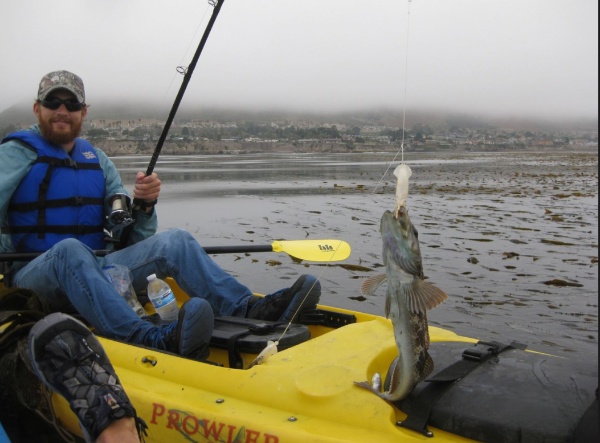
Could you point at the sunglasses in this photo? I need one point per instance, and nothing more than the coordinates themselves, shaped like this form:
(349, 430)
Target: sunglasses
(70, 104)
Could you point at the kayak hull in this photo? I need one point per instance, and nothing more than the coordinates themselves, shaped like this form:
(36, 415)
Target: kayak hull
(303, 394)
(306, 393)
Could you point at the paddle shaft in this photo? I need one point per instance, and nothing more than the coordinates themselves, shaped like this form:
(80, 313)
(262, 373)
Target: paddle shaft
(25, 256)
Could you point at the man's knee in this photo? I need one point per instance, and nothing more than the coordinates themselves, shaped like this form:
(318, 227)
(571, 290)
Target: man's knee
(176, 237)
(70, 246)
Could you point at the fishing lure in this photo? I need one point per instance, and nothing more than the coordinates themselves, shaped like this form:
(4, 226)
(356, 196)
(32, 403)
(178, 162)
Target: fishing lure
(266, 353)
(403, 173)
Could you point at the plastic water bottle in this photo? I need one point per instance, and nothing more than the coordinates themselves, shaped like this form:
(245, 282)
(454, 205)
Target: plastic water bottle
(161, 296)
(120, 278)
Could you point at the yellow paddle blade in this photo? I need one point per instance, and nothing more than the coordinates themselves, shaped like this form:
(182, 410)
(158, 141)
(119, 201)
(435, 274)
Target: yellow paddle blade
(314, 250)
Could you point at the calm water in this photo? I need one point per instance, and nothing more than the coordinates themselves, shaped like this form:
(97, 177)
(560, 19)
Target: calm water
(511, 238)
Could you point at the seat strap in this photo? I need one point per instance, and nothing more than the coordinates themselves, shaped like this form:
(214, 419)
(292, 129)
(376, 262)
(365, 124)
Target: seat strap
(235, 359)
(325, 318)
(422, 404)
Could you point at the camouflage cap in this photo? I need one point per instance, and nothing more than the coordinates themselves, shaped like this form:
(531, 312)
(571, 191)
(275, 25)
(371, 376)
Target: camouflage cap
(61, 80)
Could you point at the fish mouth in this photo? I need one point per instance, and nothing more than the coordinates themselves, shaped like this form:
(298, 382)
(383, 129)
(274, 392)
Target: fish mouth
(397, 219)
(400, 212)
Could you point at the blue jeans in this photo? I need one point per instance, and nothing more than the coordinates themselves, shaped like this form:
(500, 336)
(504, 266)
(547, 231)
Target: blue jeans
(69, 277)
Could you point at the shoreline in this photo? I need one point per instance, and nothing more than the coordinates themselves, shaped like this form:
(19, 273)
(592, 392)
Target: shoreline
(120, 148)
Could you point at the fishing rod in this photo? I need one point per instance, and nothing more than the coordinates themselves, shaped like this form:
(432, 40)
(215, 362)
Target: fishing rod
(187, 75)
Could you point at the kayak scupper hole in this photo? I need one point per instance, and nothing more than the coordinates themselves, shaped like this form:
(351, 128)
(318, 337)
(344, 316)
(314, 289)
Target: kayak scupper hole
(149, 361)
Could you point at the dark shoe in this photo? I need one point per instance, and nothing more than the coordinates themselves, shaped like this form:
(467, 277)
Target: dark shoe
(286, 304)
(190, 335)
(70, 360)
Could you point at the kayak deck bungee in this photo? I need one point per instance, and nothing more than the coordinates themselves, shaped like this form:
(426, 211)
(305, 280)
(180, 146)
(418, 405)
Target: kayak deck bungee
(306, 391)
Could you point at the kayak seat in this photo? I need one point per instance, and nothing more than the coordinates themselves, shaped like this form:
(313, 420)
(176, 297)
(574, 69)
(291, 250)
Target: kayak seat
(237, 341)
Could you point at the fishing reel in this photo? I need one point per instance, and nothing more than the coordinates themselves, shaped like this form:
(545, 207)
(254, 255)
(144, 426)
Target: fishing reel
(120, 215)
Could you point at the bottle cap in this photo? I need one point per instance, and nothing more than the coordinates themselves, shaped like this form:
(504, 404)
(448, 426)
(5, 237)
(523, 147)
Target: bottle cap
(151, 277)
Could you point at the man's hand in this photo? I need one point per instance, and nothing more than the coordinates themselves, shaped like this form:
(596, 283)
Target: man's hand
(147, 188)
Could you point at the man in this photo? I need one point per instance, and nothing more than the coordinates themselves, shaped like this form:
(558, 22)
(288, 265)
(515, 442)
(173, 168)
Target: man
(56, 191)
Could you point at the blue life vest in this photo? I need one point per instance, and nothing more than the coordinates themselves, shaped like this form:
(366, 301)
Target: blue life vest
(62, 196)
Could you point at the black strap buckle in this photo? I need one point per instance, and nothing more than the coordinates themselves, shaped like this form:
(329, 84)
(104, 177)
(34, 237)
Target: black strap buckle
(262, 328)
(481, 351)
(322, 317)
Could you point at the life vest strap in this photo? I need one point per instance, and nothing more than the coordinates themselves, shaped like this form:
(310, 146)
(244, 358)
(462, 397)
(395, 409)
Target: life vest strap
(67, 163)
(53, 229)
(57, 203)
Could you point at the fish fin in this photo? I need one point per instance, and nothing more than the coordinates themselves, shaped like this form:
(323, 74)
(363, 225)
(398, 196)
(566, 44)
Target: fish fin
(411, 264)
(435, 295)
(409, 261)
(369, 286)
(421, 296)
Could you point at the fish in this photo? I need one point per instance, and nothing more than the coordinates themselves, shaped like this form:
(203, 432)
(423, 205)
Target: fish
(408, 298)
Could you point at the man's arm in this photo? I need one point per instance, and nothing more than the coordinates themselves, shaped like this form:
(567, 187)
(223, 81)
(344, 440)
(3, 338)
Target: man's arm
(17, 159)
(145, 224)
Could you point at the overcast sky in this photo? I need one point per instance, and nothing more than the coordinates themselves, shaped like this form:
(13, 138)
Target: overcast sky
(506, 57)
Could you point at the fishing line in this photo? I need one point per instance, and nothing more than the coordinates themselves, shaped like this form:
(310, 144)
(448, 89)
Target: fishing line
(401, 150)
(217, 4)
(318, 278)
(405, 80)
(268, 350)
(181, 69)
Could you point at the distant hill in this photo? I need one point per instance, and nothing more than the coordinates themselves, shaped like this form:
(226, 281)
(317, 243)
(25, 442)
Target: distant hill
(21, 114)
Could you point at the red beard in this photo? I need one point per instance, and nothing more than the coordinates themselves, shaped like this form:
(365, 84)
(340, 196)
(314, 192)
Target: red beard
(60, 137)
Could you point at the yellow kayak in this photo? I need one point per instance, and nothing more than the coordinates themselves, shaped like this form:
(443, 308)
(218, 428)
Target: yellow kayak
(306, 393)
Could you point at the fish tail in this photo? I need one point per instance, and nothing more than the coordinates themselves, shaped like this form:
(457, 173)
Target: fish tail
(427, 368)
(367, 386)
